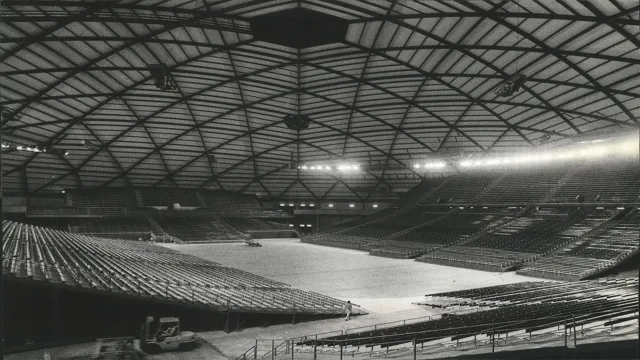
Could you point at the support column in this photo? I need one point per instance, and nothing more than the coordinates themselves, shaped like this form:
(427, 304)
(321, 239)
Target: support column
(415, 348)
(575, 333)
(493, 340)
(227, 322)
(315, 351)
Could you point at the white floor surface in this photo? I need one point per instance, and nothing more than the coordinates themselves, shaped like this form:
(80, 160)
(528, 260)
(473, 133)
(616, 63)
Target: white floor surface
(380, 285)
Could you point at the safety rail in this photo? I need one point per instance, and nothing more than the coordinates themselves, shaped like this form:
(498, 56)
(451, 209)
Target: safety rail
(393, 323)
(494, 334)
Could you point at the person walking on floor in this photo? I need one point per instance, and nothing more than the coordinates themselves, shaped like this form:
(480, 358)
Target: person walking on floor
(347, 308)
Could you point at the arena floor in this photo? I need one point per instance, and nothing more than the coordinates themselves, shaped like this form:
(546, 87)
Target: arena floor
(384, 287)
(380, 285)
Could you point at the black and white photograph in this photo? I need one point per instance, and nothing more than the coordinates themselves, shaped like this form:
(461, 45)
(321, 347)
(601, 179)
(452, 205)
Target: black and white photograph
(320, 179)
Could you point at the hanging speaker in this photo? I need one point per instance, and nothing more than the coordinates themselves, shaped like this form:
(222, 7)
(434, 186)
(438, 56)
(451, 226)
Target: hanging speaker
(297, 122)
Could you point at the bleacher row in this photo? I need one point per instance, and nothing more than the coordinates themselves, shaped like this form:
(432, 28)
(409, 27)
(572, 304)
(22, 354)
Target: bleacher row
(155, 202)
(521, 239)
(528, 312)
(143, 270)
(528, 292)
(132, 197)
(247, 225)
(497, 239)
(182, 229)
(200, 230)
(498, 227)
(612, 244)
(604, 182)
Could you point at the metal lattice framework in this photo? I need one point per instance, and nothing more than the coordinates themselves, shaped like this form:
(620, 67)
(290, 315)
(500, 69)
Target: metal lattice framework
(411, 80)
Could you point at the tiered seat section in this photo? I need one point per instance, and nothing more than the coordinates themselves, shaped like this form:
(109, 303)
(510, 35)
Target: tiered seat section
(237, 205)
(521, 187)
(127, 201)
(200, 229)
(246, 225)
(326, 234)
(522, 239)
(439, 230)
(459, 189)
(103, 198)
(169, 196)
(528, 292)
(116, 227)
(365, 236)
(452, 228)
(222, 200)
(596, 252)
(89, 212)
(543, 318)
(613, 182)
(147, 271)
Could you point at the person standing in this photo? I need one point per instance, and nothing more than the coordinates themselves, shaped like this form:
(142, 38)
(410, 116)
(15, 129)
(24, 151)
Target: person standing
(347, 308)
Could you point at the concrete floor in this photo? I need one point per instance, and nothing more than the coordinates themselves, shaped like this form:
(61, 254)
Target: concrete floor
(380, 285)
(384, 287)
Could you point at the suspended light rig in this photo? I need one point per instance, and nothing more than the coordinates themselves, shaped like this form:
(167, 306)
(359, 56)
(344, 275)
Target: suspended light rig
(10, 145)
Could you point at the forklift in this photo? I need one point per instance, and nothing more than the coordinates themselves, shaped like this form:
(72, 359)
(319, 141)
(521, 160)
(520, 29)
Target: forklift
(165, 335)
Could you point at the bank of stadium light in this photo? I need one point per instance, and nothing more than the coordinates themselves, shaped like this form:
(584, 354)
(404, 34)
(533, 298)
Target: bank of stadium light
(348, 167)
(340, 167)
(430, 165)
(33, 148)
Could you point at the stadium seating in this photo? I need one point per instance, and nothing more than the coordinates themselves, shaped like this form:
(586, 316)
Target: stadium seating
(169, 196)
(200, 229)
(221, 200)
(89, 212)
(116, 227)
(611, 182)
(356, 235)
(121, 202)
(148, 271)
(521, 187)
(105, 198)
(459, 189)
(451, 228)
(527, 292)
(246, 225)
(602, 249)
(521, 239)
(519, 312)
(356, 223)
(439, 230)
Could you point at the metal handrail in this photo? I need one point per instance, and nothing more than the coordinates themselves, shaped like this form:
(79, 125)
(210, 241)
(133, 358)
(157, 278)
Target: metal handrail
(404, 322)
(486, 325)
(566, 324)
